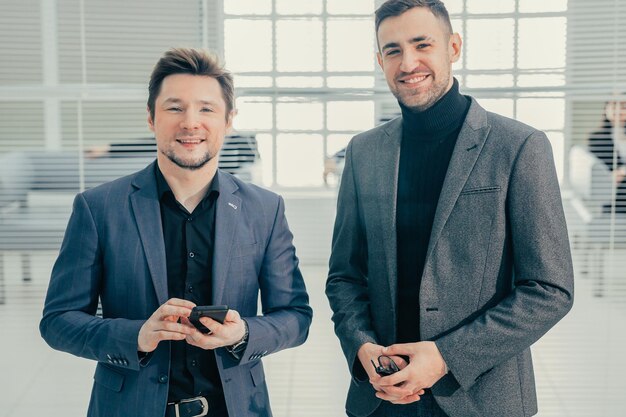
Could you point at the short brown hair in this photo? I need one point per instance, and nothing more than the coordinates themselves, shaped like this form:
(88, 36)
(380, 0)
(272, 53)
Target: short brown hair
(392, 8)
(195, 62)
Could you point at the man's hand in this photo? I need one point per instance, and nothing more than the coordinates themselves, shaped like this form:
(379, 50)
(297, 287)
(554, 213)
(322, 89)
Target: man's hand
(426, 366)
(163, 324)
(227, 334)
(369, 352)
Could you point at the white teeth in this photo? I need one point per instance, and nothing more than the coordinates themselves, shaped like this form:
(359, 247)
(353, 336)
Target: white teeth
(415, 80)
(189, 141)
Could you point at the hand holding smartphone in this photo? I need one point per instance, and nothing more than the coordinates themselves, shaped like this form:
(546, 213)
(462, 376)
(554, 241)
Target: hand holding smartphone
(217, 313)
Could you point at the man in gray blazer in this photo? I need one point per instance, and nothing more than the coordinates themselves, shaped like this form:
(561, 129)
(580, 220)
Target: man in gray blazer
(180, 233)
(450, 253)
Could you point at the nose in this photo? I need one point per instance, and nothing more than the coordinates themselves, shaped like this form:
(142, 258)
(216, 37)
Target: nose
(410, 60)
(190, 121)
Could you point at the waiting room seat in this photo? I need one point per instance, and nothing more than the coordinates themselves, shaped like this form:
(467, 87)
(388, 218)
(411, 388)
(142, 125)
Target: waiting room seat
(593, 187)
(37, 189)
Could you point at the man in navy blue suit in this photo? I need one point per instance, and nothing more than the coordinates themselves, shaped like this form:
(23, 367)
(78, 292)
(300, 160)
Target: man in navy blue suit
(180, 233)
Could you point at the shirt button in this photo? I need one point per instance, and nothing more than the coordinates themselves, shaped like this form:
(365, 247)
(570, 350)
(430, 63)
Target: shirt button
(191, 254)
(189, 219)
(193, 363)
(163, 379)
(190, 288)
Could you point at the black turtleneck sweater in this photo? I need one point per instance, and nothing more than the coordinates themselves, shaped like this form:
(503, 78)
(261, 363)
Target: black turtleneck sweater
(428, 139)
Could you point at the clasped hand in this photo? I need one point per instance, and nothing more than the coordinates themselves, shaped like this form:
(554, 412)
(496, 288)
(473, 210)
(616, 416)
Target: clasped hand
(171, 322)
(424, 368)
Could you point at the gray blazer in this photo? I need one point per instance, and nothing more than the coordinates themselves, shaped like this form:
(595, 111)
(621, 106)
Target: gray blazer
(498, 271)
(114, 251)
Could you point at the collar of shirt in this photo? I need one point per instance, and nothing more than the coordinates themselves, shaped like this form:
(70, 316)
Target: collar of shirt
(164, 191)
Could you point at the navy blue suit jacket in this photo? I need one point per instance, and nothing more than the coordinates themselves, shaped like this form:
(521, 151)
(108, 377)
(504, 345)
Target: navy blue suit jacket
(113, 251)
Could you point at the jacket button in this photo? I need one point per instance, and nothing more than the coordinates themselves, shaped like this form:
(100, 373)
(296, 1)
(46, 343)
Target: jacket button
(163, 379)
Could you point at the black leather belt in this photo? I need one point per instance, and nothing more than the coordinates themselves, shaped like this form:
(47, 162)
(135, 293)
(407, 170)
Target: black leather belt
(192, 407)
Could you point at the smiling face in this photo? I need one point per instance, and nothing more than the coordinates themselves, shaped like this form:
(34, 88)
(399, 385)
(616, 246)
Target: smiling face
(190, 121)
(416, 55)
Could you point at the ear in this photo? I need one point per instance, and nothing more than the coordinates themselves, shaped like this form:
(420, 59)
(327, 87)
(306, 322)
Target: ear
(229, 120)
(454, 47)
(379, 58)
(150, 121)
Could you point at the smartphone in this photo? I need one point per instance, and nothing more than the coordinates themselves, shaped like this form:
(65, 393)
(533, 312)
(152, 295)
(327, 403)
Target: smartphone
(217, 313)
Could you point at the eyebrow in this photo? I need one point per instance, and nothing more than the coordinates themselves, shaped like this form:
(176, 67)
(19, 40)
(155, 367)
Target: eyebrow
(171, 100)
(174, 100)
(413, 40)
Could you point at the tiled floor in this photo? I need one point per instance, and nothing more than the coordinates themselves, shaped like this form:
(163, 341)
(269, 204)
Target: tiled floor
(580, 364)
(35, 380)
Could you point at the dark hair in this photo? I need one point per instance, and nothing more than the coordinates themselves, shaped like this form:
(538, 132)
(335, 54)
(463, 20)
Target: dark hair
(194, 62)
(392, 8)
(606, 125)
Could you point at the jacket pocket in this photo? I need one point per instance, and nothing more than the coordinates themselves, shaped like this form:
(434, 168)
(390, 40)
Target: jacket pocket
(108, 378)
(258, 376)
(481, 190)
(245, 249)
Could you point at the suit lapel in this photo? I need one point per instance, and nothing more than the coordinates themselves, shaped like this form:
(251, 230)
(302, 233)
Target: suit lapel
(386, 177)
(466, 151)
(227, 212)
(147, 212)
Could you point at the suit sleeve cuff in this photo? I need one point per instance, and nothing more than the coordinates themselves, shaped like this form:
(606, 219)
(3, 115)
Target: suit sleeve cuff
(238, 348)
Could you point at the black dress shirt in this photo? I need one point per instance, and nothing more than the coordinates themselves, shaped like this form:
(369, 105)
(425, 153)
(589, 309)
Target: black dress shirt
(189, 254)
(428, 140)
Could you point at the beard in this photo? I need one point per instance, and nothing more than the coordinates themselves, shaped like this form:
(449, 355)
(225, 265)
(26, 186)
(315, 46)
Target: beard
(191, 164)
(418, 101)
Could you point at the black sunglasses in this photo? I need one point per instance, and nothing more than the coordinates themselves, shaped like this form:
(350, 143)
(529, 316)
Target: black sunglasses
(386, 366)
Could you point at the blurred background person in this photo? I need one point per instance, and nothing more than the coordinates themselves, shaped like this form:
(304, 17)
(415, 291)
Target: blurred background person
(608, 143)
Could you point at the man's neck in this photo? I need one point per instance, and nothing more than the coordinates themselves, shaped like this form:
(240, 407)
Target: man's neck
(188, 186)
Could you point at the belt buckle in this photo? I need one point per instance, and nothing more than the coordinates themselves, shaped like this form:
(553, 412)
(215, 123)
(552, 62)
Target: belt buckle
(203, 401)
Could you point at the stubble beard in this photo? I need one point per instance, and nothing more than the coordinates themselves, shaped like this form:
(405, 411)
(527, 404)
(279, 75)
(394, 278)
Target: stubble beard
(432, 95)
(190, 164)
